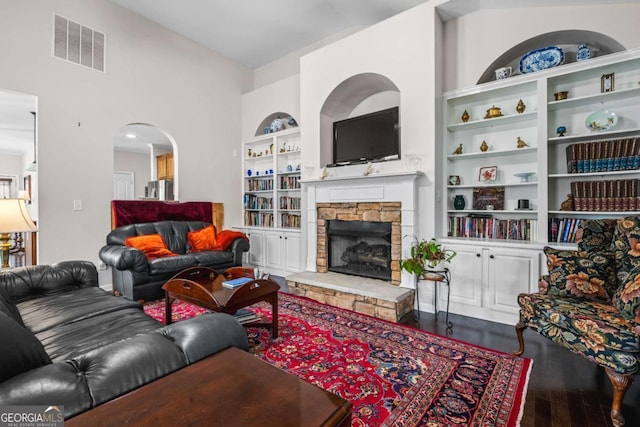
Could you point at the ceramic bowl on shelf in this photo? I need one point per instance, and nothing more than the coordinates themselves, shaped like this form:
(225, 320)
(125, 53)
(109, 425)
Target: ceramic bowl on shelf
(524, 176)
(601, 120)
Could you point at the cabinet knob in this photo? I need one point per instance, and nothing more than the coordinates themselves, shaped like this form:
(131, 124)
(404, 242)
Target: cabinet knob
(478, 255)
(491, 256)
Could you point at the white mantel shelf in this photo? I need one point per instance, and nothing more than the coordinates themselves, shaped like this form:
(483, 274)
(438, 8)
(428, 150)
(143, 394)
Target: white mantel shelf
(414, 173)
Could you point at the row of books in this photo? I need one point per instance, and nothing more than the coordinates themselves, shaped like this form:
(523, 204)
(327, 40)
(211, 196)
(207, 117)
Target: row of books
(259, 184)
(487, 227)
(563, 230)
(258, 219)
(245, 316)
(289, 182)
(604, 156)
(619, 195)
(290, 220)
(251, 201)
(290, 203)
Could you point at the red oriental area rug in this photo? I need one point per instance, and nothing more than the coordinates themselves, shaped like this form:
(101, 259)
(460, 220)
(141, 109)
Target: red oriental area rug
(393, 375)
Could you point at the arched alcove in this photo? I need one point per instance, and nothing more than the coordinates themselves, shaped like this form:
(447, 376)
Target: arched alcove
(136, 149)
(266, 122)
(569, 40)
(359, 94)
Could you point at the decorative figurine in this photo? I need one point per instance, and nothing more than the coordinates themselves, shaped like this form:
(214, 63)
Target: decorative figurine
(521, 143)
(325, 173)
(249, 153)
(368, 170)
(567, 205)
(458, 150)
(583, 53)
(271, 149)
(493, 112)
(520, 107)
(465, 117)
(484, 147)
(292, 122)
(561, 130)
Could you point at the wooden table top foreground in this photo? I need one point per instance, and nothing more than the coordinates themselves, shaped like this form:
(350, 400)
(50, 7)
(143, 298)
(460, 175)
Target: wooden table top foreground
(231, 388)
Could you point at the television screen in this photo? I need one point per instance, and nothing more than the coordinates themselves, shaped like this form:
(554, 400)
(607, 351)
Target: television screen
(373, 136)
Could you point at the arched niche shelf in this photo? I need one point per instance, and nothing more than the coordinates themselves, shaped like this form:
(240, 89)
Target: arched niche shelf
(359, 94)
(266, 122)
(600, 44)
(136, 147)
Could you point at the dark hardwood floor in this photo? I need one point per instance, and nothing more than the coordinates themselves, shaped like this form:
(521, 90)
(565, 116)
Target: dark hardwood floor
(565, 390)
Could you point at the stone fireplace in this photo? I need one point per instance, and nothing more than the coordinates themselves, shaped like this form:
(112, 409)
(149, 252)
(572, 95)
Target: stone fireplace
(360, 238)
(388, 199)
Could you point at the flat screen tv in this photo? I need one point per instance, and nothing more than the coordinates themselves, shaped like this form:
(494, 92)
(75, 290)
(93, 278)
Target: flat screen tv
(370, 137)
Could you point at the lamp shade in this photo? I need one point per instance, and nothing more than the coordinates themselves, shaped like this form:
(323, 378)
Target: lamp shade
(24, 195)
(14, 217)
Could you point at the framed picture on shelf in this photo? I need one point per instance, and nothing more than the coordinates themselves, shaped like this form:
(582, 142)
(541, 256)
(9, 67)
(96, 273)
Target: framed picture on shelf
(454, 180)
(607, 82)
(488, 198)
(488, 174)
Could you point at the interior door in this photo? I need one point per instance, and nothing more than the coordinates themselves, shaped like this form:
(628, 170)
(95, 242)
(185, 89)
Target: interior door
(123, 186)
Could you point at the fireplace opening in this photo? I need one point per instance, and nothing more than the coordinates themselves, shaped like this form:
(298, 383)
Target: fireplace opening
(361, 248)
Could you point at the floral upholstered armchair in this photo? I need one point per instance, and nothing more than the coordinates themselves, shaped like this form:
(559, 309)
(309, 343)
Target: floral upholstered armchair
(590, 301)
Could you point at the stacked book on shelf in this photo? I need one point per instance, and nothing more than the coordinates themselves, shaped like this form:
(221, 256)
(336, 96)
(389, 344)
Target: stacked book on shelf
(290, 203)
(604, 156)
(289, 182)
(620, 195)
(251, 201)
(487, 227)
(290, 220)
(245, 316)
(260, 184)
(258, 219)
(563, 230)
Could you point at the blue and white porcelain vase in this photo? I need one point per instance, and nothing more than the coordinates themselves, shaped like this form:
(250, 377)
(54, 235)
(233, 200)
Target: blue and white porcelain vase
(583, 53)
(276, 124)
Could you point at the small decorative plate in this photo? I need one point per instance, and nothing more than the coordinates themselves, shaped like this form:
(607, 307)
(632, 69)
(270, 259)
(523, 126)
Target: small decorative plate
(541, 59)
(601, 120)
(524, 176)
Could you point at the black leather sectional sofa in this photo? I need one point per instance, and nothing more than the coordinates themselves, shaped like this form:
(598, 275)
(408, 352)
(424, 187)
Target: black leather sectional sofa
(67, 342)
(137, 278)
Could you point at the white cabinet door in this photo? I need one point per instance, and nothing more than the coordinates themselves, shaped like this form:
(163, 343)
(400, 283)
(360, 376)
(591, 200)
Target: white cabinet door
(273, 250)
(510, 272)
(292, 252)
(256, 249)
(466, 276)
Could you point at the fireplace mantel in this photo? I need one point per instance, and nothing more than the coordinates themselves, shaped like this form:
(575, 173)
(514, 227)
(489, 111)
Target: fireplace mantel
(377, 187)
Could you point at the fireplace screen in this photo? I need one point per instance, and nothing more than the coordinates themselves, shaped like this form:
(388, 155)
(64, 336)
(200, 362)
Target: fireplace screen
(361, 248)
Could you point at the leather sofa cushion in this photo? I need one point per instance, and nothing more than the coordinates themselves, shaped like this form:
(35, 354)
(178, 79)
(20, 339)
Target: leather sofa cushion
(43, 313)
(171, 264)
(21, 350)
(73, 339)
(8, 307)
(212, 257)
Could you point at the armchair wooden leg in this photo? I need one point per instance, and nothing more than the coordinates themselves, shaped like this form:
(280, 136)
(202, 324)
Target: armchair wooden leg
(621, 384)
(520, 327)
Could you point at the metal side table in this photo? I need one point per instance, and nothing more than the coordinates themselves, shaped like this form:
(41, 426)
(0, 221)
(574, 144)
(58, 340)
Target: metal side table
(436, 276)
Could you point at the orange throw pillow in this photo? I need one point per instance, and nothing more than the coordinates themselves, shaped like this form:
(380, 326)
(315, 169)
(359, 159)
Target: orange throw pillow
(151, 245)
(203, 239)
(226, 237)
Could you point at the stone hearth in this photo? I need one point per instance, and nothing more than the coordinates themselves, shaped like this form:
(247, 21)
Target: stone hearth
(373, 297)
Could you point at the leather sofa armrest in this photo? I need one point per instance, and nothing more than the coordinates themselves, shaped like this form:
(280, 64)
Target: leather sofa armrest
(238, 246)
(24, 283)
(124, 258)
(53, 384)
(204, 335)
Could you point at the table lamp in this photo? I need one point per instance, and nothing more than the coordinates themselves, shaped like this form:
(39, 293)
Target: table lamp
(14, 218)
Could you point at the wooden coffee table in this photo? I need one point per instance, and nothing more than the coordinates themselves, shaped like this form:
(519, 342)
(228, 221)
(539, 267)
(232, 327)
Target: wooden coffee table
(231, 388)
(202, 286)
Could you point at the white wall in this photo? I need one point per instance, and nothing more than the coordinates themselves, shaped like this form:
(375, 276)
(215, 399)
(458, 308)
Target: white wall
(474, 41)
(402, 49)
(139, 164)
(153, 76)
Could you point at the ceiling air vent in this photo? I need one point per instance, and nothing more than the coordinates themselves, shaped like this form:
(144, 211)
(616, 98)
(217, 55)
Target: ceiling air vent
(78, 44)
